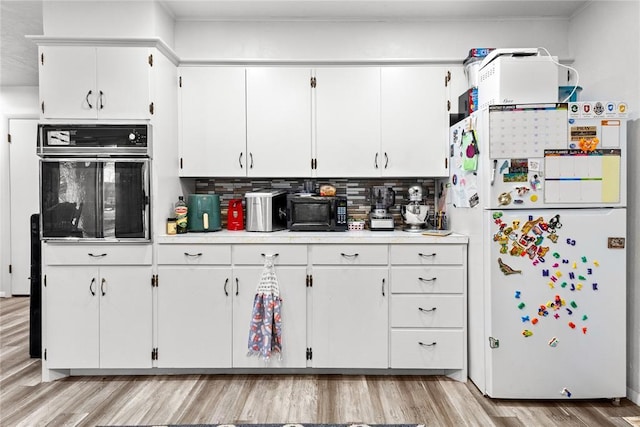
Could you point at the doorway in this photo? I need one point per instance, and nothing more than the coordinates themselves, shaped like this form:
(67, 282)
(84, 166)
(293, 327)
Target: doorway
(23, 200)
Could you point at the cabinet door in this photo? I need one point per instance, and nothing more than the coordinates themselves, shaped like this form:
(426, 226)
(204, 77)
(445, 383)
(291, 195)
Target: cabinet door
(125, 317)
(293, 291)
(123, 82)
(213, 126)
(71, 331)
(350, 317)
(414, 121)
(348, 122)
(194, 317)
(68, 82)
(279, 122)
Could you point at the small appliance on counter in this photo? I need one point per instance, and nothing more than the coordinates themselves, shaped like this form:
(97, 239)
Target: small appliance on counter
(382, 198)
(235, 215)
(204, 213)
(266, 210)
(415, 212)
(316, 213)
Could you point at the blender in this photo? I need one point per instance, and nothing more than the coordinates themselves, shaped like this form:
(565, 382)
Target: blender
(415, 212)
(382, 198)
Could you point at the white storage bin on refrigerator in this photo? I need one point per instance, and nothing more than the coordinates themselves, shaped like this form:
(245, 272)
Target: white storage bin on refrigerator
(518, 80)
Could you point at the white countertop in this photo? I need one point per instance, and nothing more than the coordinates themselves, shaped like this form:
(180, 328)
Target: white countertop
(302, 237)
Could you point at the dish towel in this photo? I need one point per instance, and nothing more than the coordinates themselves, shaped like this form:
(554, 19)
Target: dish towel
(265, 331)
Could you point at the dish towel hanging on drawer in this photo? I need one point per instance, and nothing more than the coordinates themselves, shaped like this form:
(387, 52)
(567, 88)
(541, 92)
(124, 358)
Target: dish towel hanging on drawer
(265, 333)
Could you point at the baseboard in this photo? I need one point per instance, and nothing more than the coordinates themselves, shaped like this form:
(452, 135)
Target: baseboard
(3, 294)
(633, 396)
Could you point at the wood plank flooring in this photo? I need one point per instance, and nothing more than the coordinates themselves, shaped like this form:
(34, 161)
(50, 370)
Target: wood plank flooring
(191, 399)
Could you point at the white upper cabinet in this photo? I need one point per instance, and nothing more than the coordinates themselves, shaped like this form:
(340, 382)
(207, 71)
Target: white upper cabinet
(83, 82)
(414, 121)
(347, 102)
(278, 122)
(212, 122)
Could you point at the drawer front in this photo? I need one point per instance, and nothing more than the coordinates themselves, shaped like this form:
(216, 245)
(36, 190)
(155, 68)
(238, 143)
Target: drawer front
(194, 254)
(427, 349)
(254, 254)
(436, 254)
(123, 254)
(427, 279)
(349, 254)
(410, 311)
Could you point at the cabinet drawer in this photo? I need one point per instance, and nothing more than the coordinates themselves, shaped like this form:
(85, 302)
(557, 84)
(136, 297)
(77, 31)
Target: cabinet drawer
(427, 349)
(194, 254)
(123, 254)
(427, 279)
(428, 254)
(254, 254)
(349, 254)
(410, 311)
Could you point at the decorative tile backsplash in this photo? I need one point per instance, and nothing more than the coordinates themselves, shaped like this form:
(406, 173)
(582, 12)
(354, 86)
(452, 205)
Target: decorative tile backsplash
(356, 190)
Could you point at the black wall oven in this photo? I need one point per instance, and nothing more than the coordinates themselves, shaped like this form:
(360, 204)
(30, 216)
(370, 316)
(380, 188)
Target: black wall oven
(94, 182)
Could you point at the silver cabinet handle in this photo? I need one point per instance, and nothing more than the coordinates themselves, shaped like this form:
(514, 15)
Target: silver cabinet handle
(349, 255)
(383, 280)
(237, 286)
(101, 106)
(427, 310)
(240, 160)
(274, 255)
(433, 279)
(91, 286)
(251, 158)
(86, 98)
(97, 255)
(427, 345)
(375, 161)
(193, 255)
(386, 160)
(427, 255)
(225, 287)
(102, 286)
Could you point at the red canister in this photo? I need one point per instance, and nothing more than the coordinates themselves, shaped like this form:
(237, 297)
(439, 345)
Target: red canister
(235, 216)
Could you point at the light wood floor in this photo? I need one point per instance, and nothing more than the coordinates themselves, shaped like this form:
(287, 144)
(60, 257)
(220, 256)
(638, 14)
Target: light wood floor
(191, 399)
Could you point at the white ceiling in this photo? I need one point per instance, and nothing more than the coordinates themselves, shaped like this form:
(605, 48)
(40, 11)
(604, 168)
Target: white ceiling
(368, 10)
(18, 56)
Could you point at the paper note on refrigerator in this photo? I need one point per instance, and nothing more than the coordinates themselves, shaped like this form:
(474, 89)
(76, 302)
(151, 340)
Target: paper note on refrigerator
(575, 176)
(525, 131)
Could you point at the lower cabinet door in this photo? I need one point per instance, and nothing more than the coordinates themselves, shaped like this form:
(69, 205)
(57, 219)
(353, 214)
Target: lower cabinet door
(126, 316)
(350, 317)
(194, 317)
(71, 322)
(293, 292)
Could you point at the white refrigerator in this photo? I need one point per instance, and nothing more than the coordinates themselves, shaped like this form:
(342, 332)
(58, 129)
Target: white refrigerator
(540, 189)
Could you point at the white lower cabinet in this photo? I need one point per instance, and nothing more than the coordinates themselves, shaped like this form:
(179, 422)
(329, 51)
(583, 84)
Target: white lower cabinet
(194, 306)
(205, 302)
(349, 303)
(290, 262)
(97, 312)
(428, 307)
(344, 306)
(194, 315)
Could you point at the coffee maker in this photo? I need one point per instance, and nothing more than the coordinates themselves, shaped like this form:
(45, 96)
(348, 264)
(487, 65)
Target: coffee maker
(382, 198)
(415, 212)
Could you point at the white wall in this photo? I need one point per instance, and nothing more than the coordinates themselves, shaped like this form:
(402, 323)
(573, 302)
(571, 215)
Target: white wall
(326, 41)
(608, 60)
(105, 18)
(15, 102)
